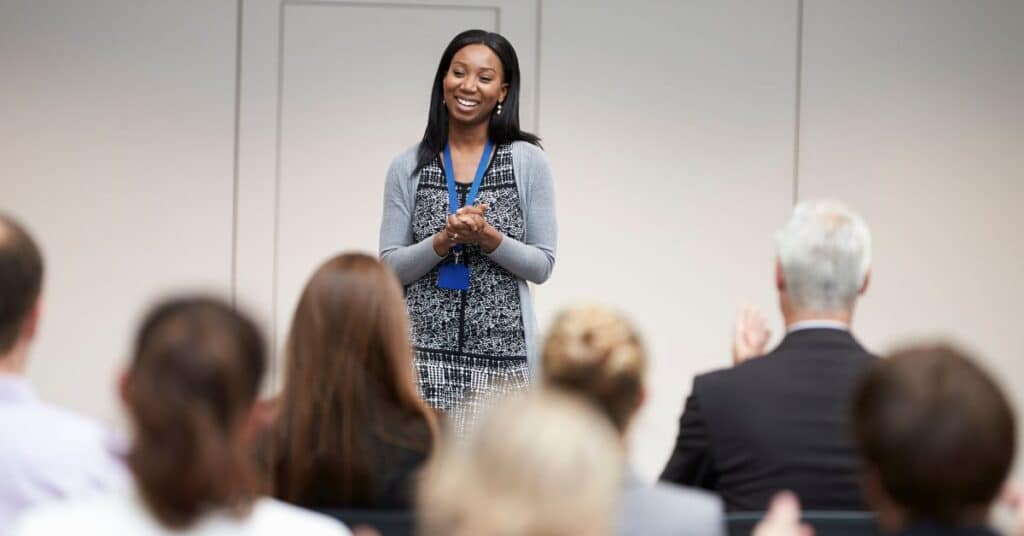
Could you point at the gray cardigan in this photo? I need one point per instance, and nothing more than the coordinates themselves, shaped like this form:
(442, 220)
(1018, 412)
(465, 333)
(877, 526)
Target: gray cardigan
(530, 260)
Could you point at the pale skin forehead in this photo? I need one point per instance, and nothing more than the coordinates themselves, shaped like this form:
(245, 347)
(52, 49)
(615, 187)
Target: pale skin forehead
(477, 57)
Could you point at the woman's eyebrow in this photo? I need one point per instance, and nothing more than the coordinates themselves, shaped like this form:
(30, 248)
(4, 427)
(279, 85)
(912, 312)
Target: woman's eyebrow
(464, 65)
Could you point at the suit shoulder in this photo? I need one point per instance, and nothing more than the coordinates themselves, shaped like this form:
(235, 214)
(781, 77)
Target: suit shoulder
(712, 380)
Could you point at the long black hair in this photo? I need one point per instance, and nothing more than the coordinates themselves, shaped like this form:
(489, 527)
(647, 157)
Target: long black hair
(504, 128)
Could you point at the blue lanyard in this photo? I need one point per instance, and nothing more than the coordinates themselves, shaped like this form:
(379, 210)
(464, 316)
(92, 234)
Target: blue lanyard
(449, 172)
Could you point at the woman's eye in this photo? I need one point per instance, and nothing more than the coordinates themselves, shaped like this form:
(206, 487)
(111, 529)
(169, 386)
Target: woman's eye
(484, 79)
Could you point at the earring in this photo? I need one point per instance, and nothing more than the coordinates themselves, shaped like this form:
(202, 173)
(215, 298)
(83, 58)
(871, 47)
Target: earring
(499, 109)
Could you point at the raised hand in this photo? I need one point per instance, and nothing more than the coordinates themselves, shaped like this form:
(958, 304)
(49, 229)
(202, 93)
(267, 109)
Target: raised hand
(750, 334)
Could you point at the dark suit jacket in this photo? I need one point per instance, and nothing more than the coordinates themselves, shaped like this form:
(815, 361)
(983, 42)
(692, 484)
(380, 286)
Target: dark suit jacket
(775, 422)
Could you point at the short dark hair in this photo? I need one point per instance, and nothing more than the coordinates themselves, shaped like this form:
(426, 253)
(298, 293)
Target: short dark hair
(21, 279)
(938, 430)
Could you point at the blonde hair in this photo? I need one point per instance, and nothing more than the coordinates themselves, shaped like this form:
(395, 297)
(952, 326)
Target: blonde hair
(597, 353)
(543, 465)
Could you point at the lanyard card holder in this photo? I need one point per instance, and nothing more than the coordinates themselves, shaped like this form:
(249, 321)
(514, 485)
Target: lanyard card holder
(454, 275)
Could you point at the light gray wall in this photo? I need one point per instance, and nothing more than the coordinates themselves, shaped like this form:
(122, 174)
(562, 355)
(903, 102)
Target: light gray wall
(116, 135)
(680, 133)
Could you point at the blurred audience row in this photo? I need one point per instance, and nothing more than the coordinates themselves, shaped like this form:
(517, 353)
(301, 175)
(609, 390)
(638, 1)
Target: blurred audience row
(923, 438)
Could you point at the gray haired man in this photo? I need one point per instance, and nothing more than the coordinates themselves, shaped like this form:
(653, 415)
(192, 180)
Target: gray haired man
(777, 421)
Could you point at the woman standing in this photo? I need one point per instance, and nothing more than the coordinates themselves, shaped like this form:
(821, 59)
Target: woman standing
(468, 219)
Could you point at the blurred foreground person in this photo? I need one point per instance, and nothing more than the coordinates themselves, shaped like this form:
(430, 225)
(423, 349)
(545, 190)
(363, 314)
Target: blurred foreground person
(544, 465)
(190, 393)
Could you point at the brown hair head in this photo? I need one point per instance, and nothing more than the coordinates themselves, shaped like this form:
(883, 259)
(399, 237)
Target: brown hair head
(349, 382)
(937, 430)
(192, 382)
(21, 279)
(597, 353)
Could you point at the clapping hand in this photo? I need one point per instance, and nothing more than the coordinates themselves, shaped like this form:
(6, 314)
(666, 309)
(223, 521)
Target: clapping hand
(468, 225)
(750, 335)
(783, 518)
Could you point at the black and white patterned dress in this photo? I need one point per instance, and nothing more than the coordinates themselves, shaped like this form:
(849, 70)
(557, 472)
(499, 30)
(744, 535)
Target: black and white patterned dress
(470, 345)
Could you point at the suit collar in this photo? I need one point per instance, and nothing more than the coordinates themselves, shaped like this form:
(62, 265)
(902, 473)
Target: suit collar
(819, 336)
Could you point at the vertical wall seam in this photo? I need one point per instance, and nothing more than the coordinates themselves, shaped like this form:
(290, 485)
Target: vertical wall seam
(235, 156)
(536, 70)
(798, 99)
(277, 185)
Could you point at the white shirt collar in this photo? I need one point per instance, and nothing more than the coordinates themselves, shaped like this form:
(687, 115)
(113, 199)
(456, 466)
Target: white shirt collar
(818, 324)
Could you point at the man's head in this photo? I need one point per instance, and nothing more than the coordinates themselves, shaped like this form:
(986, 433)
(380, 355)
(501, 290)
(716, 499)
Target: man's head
(936, 435)
(21, 280)
(824, 259)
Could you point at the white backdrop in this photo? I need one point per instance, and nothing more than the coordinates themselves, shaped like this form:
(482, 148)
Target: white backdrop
(231, 146)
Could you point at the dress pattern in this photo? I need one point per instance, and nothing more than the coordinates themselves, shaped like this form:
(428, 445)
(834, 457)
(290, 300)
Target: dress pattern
(470, 345)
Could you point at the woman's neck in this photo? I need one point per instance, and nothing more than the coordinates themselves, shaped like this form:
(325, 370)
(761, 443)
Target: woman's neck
(467, 136)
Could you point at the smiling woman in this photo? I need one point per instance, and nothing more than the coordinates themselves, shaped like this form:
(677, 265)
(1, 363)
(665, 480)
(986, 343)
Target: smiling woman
(469, 218)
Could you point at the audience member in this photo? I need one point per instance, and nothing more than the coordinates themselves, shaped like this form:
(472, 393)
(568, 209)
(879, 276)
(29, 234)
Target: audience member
(352, 430)
(46, 452)
(937, 438)
(778, 422)
(544, 465)
(190, 392)
(597, 354)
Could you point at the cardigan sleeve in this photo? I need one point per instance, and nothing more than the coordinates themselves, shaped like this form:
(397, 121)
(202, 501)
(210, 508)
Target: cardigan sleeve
(410, 261)
(533, 258)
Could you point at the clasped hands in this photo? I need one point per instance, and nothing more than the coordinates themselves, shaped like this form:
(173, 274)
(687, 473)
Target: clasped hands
(467, 226)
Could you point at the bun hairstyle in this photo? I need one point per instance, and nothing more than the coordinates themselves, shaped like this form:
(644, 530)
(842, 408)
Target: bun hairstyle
(596, 352)
(194, 377)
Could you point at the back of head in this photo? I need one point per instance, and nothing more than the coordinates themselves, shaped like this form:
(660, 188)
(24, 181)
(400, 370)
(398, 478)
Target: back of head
(825, 253)
(936, 430)
(193, 380)
(21, 280)
(597, 353)
(544, 465)
(349, 381)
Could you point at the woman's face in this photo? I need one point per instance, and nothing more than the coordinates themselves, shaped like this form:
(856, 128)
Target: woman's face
(474, 84)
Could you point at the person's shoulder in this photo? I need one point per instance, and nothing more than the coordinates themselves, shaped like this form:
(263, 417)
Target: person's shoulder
(529, 152)
(670, 509)
(68, 419)
(404, 162)
(94, 514)
(271, 516)
(695, 502)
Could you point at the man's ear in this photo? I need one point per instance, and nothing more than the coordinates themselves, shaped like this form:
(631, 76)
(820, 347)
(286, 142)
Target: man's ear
(123, 386)
(864, 285)
(31, 324)
(780, 277)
